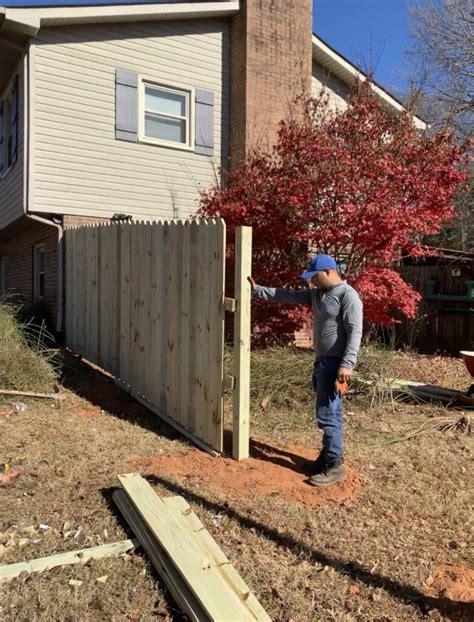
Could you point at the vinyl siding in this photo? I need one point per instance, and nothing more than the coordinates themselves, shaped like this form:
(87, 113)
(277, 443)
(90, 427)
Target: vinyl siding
(79, 166)
(337, 89)
(11, 184)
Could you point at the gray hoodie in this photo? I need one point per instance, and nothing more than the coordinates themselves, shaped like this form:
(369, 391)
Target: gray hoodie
(337, 317)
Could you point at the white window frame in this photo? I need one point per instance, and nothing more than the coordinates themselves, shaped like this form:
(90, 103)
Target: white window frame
(36, 273)
(3, 276)
(190, 117)
(7, 127)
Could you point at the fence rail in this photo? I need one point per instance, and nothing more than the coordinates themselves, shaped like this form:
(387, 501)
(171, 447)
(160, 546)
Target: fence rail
(145, 301)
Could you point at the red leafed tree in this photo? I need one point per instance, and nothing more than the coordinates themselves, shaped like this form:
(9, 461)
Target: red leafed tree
(363, 185)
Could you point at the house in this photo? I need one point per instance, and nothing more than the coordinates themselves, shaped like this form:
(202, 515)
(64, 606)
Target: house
(129, 110)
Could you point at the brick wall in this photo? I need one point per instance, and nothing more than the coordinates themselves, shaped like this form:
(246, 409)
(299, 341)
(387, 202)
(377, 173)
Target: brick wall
(18, 248)
(271, 64)
(19, 252)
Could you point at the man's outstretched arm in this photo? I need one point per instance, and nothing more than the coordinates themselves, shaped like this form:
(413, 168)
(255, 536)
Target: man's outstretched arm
(281, 294)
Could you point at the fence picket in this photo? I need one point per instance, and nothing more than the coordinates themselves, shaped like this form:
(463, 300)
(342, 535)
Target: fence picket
(164, 262)
(184, 322)
(125, 303)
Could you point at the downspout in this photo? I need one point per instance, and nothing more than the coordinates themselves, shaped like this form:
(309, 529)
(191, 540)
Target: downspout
(26, 167)
(59, 315)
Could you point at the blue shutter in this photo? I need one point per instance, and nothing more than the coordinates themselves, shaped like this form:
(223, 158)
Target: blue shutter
(14, 122)
(2, 133)
(204, 122)
(126, 105)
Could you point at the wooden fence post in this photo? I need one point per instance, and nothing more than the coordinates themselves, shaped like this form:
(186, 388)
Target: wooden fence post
(243, 269)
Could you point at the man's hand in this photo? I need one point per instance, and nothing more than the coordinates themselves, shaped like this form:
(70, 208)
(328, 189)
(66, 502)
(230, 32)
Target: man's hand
(251, 281)
(344, 374)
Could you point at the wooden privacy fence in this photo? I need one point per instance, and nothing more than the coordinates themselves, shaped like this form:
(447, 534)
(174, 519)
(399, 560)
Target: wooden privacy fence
(145, 301)
(445, 321)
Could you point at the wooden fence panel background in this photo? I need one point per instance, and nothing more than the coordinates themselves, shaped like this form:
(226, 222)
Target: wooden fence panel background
(145, 302)
(441, 325)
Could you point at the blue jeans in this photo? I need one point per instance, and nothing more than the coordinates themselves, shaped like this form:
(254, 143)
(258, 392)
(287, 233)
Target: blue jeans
(328, 408)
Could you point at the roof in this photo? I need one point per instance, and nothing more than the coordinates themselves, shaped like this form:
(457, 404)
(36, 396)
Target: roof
(341, 67)
(28, 20)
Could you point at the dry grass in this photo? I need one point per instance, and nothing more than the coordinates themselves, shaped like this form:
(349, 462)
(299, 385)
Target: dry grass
(368, 560)
(25, 364)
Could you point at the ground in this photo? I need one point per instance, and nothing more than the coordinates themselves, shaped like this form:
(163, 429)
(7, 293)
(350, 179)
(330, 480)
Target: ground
(391, 543)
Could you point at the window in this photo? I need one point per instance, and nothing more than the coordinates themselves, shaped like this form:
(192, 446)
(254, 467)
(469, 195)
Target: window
(9, 127)
(38, 272)
(3, 276)
(7, 132)
(166, 115)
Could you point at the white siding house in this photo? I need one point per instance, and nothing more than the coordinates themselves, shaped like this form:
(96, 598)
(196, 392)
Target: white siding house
(11, 147)
(78, 164)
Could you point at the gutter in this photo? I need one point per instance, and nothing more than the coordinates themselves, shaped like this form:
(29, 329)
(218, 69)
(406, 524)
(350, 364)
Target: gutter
(26, 186)
(29, 20)
(324, 54)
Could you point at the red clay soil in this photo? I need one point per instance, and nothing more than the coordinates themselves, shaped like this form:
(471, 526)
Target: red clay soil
(453, 581)
(269, 471)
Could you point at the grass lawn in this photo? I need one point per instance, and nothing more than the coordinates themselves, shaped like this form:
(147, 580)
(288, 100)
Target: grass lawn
(391, 543)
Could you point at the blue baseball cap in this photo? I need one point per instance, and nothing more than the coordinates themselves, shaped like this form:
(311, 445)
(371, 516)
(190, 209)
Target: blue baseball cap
(319, 263)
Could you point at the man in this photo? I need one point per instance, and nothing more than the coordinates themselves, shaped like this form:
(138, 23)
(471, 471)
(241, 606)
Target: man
(337, 332)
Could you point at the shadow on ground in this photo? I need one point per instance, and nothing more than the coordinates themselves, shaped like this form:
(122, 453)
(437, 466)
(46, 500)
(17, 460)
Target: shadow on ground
(453, 610)
(100, 390)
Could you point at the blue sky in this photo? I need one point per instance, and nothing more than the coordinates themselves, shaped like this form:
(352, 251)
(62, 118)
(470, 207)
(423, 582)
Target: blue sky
(367, 32)
(370, 33)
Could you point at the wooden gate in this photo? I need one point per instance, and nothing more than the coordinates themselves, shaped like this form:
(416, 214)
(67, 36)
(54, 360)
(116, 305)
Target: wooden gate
(145, 301)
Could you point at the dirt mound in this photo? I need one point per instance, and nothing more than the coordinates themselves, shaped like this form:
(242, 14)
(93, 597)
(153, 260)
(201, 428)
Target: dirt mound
(269, 471)
(453, 581)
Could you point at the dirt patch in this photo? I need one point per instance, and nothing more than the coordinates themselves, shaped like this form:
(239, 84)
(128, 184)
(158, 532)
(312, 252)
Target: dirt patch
(269, 471)
(453, 581)
(89, 412)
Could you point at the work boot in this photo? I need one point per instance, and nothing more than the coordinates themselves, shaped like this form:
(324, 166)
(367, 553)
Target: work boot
(318, 465)
(329, 475)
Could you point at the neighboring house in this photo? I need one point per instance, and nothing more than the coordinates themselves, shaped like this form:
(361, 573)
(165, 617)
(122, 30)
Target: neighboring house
(132, 109)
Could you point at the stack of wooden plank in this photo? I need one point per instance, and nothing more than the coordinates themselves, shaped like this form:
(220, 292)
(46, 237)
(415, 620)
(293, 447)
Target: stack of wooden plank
(199, 576)
(425, 392)
(431, 392)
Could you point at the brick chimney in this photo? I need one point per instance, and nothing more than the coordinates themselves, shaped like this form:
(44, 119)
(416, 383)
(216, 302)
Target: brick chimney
(271, 62)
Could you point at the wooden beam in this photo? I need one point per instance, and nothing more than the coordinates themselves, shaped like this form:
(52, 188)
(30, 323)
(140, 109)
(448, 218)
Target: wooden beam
(204, 568)
(10, 571)
(241, 407)
(185, 516)
(183, 596)
(50, 396)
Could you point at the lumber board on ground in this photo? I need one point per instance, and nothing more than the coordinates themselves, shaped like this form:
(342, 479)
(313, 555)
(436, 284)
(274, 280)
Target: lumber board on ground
(183, 596)
(10, 571)
(190, 521)
(424, 391)
(241, 402)
(51, 396)
(194, 561)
